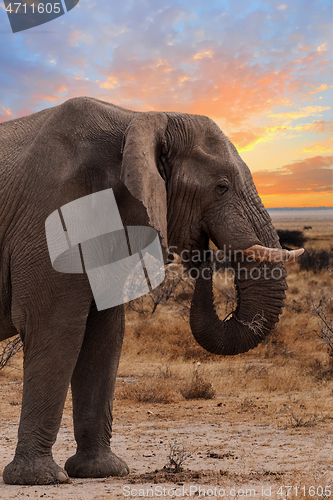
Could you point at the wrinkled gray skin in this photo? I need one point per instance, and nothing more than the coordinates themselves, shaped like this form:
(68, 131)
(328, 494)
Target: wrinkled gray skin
(178, 173)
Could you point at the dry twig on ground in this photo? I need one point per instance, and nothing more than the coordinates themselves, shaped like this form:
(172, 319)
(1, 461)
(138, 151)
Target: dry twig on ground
(177, 456)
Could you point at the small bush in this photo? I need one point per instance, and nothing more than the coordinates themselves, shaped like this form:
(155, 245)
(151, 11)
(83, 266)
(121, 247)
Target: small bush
(177, 456)
(153, 389)
(165, 372)
(300, 421)
(315, 261)
(291, 238)
(198, 388)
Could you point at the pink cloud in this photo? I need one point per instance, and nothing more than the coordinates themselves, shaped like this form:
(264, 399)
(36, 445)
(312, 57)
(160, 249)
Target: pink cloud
(312, 175)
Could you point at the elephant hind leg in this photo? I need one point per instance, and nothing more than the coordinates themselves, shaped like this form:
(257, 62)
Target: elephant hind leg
(93, 384)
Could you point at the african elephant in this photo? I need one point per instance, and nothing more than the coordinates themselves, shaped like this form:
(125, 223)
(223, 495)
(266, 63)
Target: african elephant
(177, 173)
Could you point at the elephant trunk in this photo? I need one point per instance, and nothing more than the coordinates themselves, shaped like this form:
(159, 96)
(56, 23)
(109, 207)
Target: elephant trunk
(260, 291)
(259, 304)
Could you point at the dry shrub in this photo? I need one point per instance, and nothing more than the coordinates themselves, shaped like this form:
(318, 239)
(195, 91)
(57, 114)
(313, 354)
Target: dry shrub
(301, 420)
(316, 261)
(197, 388)
(176, 289)
(291, 238)
(178, 454)
(167, 386)
(151, 390)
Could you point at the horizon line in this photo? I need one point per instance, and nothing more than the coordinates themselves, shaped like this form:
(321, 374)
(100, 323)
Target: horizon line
(322, 207)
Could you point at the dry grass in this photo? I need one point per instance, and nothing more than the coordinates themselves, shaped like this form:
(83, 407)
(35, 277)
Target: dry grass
(292, 360)
(198, 387)
(168, 385)
(154, 388)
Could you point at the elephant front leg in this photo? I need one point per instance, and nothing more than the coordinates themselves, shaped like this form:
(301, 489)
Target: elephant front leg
(93, 384)
(49, 361)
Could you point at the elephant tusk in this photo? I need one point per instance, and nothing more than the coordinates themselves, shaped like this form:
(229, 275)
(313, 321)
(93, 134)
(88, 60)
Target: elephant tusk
(258, 252)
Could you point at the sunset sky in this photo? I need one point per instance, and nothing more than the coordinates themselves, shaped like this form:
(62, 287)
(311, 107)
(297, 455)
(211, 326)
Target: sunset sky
(261, 70)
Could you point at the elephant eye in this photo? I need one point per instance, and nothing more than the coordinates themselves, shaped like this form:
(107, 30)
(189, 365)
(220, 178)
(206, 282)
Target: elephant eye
(221, 189)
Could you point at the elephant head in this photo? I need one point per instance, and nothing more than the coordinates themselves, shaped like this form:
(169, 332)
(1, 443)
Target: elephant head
(195, 188)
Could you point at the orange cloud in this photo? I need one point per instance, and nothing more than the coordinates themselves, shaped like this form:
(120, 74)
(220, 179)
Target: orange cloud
(246, 140)
(201, 55)
(298, 200)
(227, 96)
(301, 113)
(320, 147)
(309, 179)
(110, 83)
(79, 37)
(7, 111)
(62, 89)
(321, 88)
(322, 47)
(319, 127)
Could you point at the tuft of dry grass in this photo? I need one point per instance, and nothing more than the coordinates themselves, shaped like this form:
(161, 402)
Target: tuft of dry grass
(197, 388)
(167, 385)
(301, 420)
(164, 336)
(150, 390)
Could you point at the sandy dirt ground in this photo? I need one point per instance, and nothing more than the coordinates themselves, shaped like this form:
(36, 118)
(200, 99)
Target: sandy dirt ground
(241, 446)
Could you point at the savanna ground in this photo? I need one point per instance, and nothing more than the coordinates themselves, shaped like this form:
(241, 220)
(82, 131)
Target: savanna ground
(258, 425)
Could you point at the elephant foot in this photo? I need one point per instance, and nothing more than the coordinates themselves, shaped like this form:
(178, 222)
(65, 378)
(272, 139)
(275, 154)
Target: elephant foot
(104, 464)
(41, 470)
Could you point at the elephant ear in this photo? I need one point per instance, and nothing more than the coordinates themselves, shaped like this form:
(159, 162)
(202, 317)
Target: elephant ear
(144, 141)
